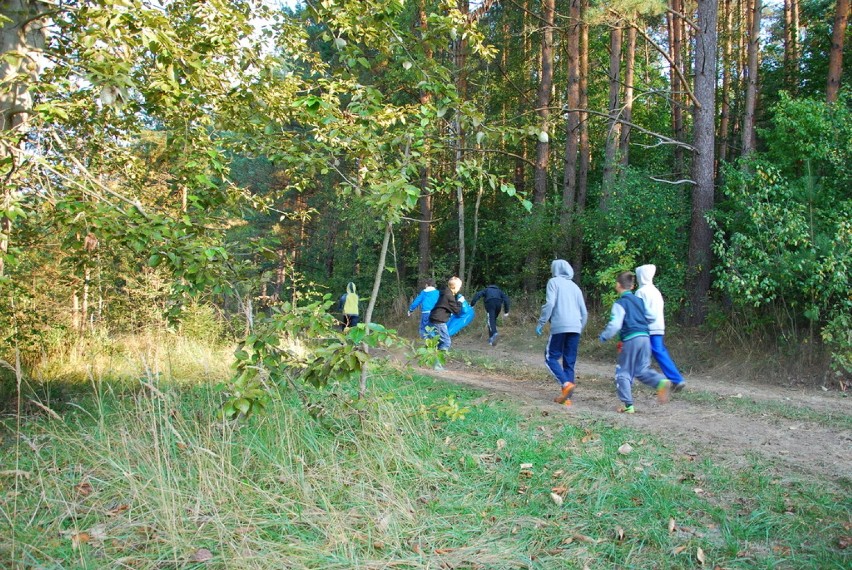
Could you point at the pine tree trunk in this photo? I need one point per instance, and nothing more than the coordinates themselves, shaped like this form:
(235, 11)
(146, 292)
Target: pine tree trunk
(700, 238)
(627, 114)
(725, 115)
(424, 243)
(748, 136)
(543, 95)
(612, 137)
(585, 152)
(835, 56)
(461, 89)
(572, 127)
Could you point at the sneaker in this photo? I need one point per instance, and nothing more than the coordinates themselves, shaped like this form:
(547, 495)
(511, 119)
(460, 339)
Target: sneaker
(626, 410)
(439, 368)
(679, 386)
(567, 388)
(663, 391)
(493, 339)
(567, 403)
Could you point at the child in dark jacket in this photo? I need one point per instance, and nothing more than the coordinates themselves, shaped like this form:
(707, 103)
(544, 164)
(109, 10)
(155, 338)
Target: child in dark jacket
(629, 319)
(447, 305)
(494, 298)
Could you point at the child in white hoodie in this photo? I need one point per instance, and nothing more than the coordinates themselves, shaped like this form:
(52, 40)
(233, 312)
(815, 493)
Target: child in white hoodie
(653, 299)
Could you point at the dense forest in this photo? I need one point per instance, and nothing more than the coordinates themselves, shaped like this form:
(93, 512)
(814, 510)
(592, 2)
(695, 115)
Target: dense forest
(226, 164)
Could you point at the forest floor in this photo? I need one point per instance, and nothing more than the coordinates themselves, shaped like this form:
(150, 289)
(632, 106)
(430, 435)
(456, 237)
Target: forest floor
(801, 430)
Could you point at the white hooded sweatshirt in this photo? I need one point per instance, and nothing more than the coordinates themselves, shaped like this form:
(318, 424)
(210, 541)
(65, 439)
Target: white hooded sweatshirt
(652, 298)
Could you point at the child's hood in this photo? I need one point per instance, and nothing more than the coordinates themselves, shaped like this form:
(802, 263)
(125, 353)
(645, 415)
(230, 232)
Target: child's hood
(645, 274)
(561, 268)
(350, 288)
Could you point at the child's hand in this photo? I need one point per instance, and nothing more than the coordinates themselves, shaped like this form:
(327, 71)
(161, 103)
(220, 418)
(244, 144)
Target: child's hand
(538, 330)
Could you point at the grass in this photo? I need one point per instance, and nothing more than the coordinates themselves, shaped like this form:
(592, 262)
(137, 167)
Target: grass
(135, 475)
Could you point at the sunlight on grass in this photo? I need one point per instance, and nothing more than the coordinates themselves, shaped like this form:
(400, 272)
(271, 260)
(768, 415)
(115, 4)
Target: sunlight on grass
(148, 475)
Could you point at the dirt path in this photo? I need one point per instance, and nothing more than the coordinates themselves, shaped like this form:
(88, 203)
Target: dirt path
(699, 423)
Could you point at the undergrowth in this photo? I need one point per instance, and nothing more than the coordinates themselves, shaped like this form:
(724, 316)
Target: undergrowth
(417, 475)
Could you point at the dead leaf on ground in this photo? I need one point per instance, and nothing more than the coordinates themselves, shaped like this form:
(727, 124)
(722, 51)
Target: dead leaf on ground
(79, 538)
(525, 473)
(671, 525)
(678, 550)
(117, 510)
(443, 550)
(699, 554)
(588, 437)
(501, 443)
(526, 465)
(619, 533)
(625, 449)
(558, 473)
(844, 542)
(84, 489)
(378, 544)
(202, 555)
(583, 538)
(560, 490)
(556, 499)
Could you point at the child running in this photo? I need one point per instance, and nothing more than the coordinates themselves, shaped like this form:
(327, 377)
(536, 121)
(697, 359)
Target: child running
(630, 319)
(426, 300)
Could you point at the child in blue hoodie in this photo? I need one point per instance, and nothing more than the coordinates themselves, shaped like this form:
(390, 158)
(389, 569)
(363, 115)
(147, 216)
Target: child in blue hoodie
(426, 300)
(565, 309)
(630, 319)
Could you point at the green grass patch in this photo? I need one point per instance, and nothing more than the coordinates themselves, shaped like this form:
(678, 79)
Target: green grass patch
(151, 477)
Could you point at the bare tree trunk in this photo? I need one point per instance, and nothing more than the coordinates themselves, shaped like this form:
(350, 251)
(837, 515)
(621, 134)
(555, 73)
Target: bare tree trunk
(461, 88)
(368, 315)
(23, 34)
(545, 88)
(543, 96)
(572, 140)
(675, 21)
(748, 136)
(475, 231)
(835, 56)
(612, 123)
(424, 244)
(789, 62)
(725, 118)
(585, 152)
(627, 114)
(700, 238)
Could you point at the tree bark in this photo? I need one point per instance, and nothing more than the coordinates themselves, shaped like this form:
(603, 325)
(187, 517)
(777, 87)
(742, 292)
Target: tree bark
(24, 34)
(374, 294)
(725, 115)
(835, 57)
(572, 127)
(543, 96)
(748, 135)
(585, 152)
(615, 36)
(460, 53)
(424, 243)
(675, 29)
(627, 113)
(700, 238)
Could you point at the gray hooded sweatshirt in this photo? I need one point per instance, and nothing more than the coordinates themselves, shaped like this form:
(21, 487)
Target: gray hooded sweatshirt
(565, 307)
(652, 297)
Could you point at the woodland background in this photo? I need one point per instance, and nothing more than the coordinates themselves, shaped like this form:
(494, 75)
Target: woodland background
(220, 166)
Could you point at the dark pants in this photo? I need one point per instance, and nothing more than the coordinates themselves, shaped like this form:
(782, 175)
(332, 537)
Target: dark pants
(493, 311)
(350, 321)
(560, 354)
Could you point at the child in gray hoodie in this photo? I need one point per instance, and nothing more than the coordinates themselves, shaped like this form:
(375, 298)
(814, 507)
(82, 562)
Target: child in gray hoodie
(565, 309)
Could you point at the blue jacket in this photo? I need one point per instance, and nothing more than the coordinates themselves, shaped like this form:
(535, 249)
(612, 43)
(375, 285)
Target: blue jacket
(565, 307)
(426, 300)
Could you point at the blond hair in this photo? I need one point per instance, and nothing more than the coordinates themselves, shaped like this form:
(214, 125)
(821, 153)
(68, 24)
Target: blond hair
(455, 284)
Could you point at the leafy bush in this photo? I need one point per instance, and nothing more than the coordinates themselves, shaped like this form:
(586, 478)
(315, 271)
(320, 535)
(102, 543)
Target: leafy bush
(777, 247)
(645, 223)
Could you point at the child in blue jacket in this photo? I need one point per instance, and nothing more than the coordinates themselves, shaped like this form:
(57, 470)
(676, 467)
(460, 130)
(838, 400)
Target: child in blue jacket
(426, 300)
